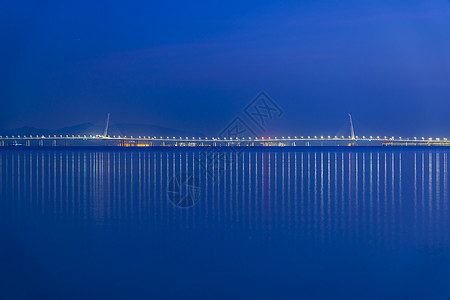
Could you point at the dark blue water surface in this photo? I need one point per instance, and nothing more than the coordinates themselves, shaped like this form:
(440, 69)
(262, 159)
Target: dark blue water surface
(189, 224)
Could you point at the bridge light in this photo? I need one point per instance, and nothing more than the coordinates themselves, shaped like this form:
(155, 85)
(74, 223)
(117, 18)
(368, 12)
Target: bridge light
(283, 137)
(302, 136)
(295, 136)
(321, 137)
(315, 137)
(329, 137)
(438, 139)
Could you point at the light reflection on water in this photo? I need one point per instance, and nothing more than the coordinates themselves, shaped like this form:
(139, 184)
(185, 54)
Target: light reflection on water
(266, 224)
(385, 198)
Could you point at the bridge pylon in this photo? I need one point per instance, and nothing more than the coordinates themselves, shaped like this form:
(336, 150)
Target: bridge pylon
(352, 129)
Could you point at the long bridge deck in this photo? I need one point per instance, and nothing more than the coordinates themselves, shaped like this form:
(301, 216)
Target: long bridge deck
(149, 141)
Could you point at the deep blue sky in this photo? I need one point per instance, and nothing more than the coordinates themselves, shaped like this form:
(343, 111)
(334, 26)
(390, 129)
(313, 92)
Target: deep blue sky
(194, 66)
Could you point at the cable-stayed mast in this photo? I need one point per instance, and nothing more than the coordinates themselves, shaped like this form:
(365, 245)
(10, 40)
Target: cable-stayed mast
(105, 134)
(352, 130)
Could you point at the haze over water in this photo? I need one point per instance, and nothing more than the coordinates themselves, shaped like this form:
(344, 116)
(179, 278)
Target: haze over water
(262, 223)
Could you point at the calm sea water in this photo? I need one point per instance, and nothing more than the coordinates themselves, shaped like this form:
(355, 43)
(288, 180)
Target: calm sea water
(264, 224)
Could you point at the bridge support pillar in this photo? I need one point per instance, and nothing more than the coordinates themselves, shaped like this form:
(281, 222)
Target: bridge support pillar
(54, 143)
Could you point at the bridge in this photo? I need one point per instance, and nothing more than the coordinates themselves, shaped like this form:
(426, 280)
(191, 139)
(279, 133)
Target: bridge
(153, 141)
(232, 140)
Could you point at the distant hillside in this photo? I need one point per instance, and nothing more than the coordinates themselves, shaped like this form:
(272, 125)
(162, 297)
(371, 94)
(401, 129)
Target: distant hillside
(91, 129)
(25, 131)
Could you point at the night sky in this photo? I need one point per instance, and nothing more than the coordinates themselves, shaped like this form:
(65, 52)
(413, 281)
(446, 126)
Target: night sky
(196, 65)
